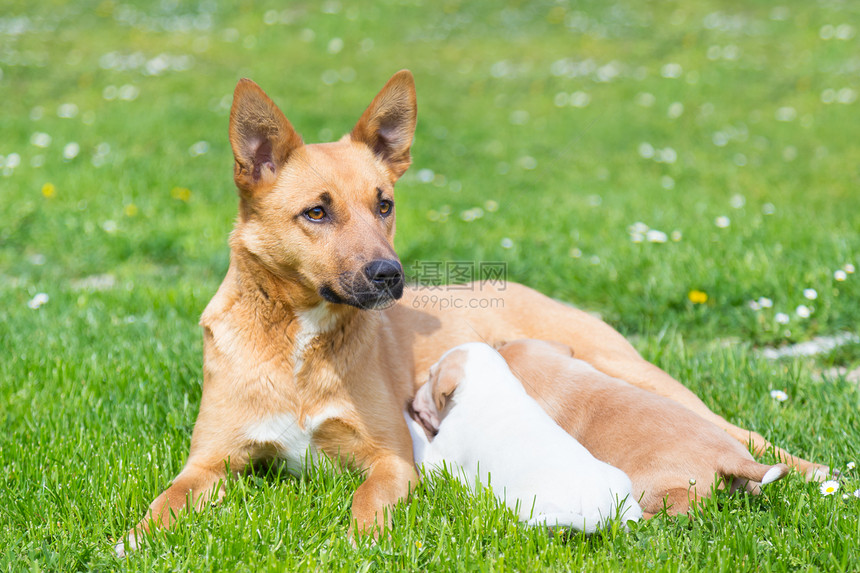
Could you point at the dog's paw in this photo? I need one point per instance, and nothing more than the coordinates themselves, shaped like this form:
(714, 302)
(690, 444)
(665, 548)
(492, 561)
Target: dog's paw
(818, 473)
(775, 473)
(121, 548)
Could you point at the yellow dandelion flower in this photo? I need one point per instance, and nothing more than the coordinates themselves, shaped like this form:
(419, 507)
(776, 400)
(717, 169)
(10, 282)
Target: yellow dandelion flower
(48, 190)
(181, 193)
(698, 297)
(131, 210)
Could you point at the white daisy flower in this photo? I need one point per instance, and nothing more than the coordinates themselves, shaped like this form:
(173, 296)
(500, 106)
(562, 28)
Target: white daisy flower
(850, 465)
(840, 275)
(779, 395)
(829, 487)
(40, 139)
(198, 148)
(655, 236)
(803, 311)
(67, 110)
(638, 227)
(646, 150)
(71, 150)
(13, 160)
(38, 300)
(781, 318)
(810, 293)
(722, 222)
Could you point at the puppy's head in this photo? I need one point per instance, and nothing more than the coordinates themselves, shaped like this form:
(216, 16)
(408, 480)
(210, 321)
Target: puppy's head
(321, 216)
(433, 400)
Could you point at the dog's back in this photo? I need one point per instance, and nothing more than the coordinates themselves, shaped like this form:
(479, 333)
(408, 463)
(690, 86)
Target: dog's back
(496, 433)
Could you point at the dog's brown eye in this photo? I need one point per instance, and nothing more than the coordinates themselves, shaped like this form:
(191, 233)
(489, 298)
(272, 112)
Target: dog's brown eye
(385, 207)
(315, 214)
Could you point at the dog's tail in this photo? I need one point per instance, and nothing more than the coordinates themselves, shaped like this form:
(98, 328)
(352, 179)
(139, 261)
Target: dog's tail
(751, 475)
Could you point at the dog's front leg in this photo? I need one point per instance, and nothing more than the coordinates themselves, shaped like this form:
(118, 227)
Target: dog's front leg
(390, 478)
(196, 485)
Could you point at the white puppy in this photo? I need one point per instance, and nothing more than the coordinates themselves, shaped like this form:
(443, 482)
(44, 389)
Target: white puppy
(485, 427)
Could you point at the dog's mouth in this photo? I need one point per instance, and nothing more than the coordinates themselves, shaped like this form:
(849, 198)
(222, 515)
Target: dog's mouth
(362, 299)
(377, 286)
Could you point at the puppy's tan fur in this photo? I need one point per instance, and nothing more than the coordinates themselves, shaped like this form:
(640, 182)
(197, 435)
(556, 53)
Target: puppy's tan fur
(673, 456)
(276, 351)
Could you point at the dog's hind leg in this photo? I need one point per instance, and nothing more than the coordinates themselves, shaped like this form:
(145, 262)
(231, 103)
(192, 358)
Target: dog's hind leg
(751, 475)
(607, 350)
(639, 372)
(678, 500)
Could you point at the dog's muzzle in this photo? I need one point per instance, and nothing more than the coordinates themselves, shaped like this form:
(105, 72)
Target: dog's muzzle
(378, 284)
(386, 276)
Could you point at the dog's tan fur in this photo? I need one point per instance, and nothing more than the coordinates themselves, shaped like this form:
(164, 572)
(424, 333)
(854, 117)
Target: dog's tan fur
(673, 456)
(274, 346)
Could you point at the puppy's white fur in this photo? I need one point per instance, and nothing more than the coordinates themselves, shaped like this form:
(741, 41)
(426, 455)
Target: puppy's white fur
(493, 432)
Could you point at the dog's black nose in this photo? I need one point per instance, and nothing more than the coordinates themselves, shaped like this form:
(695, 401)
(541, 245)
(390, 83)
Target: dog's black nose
(385, 274)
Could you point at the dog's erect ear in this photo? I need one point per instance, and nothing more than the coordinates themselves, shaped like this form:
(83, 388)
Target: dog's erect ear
(388, 124)
(261, 137)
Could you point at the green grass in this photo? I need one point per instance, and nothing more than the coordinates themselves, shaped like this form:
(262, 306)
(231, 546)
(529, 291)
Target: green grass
(100, 386)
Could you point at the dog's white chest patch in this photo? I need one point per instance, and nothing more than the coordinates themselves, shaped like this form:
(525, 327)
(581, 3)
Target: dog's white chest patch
(293, 440)
(313, 322)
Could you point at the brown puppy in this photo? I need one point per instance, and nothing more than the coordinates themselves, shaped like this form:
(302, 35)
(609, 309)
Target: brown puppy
(672, 455)
(295, 358)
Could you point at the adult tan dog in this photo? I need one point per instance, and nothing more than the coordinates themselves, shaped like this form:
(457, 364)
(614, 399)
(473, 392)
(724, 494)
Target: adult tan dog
(673, 456)
(295, 358)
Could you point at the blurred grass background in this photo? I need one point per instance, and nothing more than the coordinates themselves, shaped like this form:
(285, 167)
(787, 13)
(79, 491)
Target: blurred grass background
(628, 157)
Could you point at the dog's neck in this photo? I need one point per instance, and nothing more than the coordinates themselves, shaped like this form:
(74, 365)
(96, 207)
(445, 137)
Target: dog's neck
(277, 297)
(323, 340)
(282, 301)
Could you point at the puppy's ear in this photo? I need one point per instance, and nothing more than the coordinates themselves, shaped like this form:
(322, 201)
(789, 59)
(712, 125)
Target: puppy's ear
(447, 378)
(388, 124)
(261, 137)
